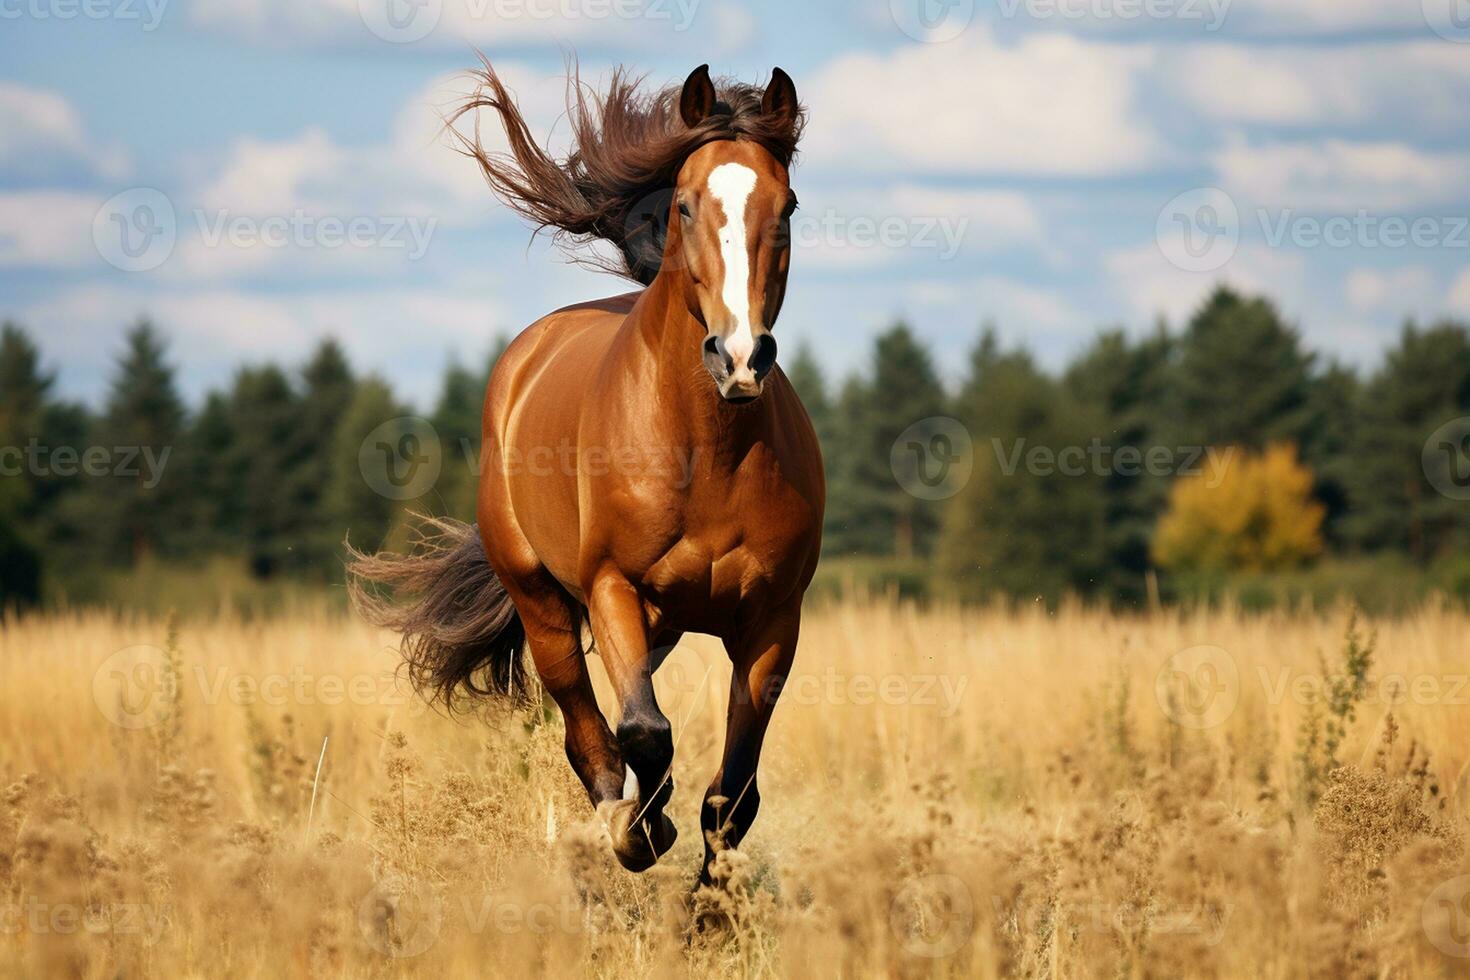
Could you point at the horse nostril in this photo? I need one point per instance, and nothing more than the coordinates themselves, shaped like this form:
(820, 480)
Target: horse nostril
(764, 356)
(714, 347)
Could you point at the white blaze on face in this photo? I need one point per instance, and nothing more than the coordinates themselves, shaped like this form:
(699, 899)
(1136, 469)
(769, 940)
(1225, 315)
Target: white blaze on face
(731, 184)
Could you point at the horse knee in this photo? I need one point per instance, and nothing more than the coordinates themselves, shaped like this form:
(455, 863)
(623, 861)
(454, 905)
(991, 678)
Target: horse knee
(647, 744)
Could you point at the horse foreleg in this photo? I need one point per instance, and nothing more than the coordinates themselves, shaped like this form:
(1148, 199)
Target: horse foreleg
(636, 821)
(761, 662)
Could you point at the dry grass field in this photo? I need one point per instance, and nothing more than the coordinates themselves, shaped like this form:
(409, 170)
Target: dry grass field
(946, 792)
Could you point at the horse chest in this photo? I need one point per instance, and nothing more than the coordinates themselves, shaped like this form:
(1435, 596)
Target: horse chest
(725, 559)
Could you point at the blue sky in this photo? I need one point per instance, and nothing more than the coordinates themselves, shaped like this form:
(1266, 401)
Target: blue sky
(1052, 167)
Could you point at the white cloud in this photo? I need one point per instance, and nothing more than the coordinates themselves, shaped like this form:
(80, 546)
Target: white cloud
(1426, 83)
(639, 24)
(1322, 16)
(47, 229)
(1459, 295)
(908, 221)
(1205, 17)
(1013, 305)
(1339, 175)
(1049, 105)
(40, 128)
(1394, 290)
(415, 170)
(403, 189)
(1149, 285)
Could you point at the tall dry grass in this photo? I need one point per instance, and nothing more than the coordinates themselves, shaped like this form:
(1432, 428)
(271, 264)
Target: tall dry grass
(946, 792)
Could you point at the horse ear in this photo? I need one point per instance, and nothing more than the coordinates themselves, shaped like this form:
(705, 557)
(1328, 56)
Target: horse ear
(780, 98)
(698, 98)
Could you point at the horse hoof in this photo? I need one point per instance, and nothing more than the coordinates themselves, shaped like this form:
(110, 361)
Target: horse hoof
(636, 846)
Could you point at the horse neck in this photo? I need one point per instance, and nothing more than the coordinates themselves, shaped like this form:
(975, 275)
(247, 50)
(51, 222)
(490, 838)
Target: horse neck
(690, 407)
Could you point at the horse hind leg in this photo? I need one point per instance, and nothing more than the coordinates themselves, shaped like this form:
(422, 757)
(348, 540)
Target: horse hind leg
(556, 650)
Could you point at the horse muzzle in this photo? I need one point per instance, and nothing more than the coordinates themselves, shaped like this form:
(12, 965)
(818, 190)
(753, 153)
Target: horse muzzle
(739, 381)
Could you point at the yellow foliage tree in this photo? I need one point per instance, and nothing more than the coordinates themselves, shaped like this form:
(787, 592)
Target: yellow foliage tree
(1256, 513)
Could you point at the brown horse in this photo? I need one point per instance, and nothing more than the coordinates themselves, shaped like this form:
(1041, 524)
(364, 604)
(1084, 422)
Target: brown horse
(646, 466)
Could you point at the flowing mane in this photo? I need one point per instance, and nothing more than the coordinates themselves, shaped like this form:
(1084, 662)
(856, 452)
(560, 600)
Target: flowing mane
(627, 147)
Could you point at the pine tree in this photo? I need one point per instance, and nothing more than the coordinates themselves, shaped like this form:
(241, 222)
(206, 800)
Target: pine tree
(215, 475)
(805, 375)
(356, 509)
(854, 521)
(1128, 385)
(1243, 379)
(456, 419)
(1030, 522)
(904, 390)
(1330, 448)
(264, 460)
(144, 415)
(328, 385)
(1424, 382)
(23, 390)
(23, 386)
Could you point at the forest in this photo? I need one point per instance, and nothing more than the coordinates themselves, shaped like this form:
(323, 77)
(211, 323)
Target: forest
(1222, 458)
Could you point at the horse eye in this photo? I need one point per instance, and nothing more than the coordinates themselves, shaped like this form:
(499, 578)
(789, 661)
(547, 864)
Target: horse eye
(683, 209)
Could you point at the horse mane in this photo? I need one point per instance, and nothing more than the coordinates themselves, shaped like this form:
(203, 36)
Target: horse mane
(616, 183)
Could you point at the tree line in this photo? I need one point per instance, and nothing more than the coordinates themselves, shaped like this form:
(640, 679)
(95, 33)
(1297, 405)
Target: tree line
(1066, 474)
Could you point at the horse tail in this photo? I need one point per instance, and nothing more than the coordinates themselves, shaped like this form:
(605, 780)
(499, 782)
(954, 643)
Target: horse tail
(461, 633)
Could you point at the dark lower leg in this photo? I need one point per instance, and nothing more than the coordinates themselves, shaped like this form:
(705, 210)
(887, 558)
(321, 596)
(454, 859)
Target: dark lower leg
(761, 665)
